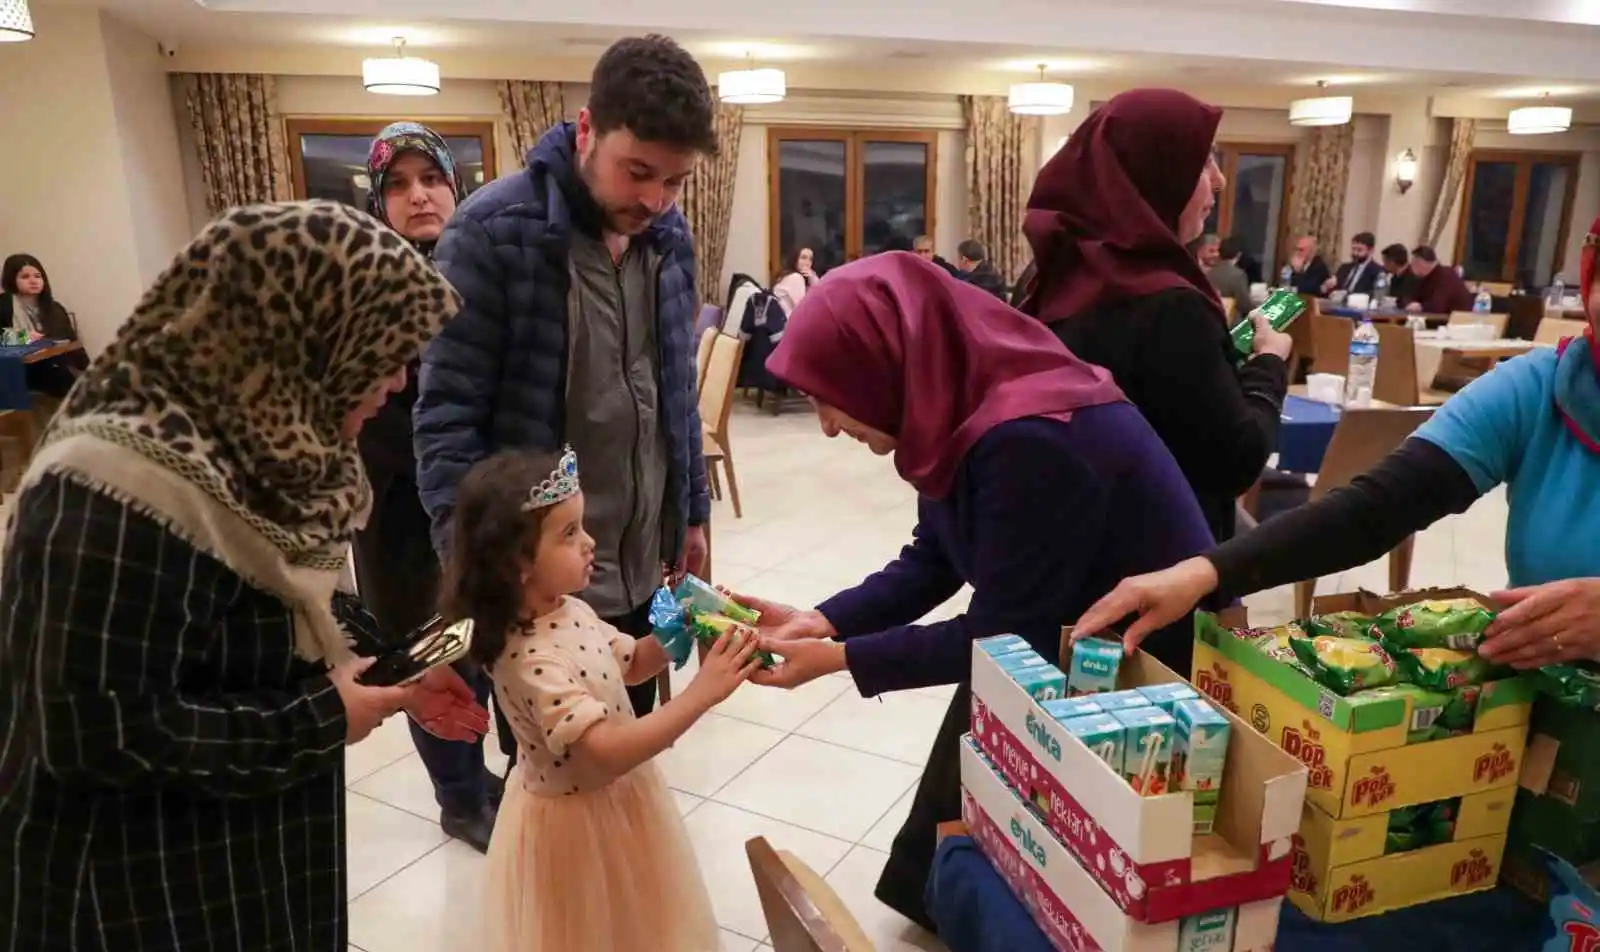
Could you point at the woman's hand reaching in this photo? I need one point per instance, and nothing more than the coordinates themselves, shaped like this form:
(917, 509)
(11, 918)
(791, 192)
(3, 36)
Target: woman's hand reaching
(1545, 624)
(780, 622)
(1157, 599)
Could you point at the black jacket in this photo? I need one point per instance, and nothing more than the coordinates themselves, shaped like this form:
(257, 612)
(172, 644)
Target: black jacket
(1309, 281)
(1364, 284)
(983, 276)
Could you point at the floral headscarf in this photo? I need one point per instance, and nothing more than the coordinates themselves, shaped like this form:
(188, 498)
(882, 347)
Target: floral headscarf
(395, 139)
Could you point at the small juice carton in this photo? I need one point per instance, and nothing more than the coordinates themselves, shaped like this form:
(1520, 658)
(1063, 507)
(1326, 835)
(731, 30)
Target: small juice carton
(1121, 701)
(1199, 757)
(1102, 734)
(1069, 707)
(1003, 645)
(1166, 696)
(1043, 682)
(1024, 658)
(1146, 749)
(1207, 932)
(1094, 667)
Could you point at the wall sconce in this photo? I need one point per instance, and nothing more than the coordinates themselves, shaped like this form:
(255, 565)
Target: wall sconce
(1405, 171)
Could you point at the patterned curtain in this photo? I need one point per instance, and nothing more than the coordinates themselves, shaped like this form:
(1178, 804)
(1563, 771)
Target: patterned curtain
(707, 202)
(1321, 173)
(239, 136)
(997, 179)
(1463, 132)
(530, 108)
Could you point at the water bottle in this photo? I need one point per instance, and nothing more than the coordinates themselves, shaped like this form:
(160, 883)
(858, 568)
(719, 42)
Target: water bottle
(1288, 277)
(1363, 372)
(1483, 303)
(1380, 290)
(1558, 293)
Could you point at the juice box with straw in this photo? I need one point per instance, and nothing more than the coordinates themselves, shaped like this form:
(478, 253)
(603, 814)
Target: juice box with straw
(1121, 701)
(1201, 752)
(1067, 708)
(1094, 665)
(1146, 748)
(1101, 733)
(1281, 308)
(1166, 696)
(1041, 679)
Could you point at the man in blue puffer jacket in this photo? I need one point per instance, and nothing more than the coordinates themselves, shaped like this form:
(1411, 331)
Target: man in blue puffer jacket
(578, 280)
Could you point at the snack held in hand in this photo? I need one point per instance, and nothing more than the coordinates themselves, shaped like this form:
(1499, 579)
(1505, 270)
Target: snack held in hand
(1345, 665)
(1094, 666)
(705, 599)
(1456, 623)
(679, 627)
(1147, 749)
(1199, 756)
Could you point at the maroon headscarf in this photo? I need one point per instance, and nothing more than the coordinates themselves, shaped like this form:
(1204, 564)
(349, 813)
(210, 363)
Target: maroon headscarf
(1103, 216)
(898, 344)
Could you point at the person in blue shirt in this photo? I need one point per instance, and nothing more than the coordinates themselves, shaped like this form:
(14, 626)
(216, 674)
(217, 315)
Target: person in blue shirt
(1532, 424)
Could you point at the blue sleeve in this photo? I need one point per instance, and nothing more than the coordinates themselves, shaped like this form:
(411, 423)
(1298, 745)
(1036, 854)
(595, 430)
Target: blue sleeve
(1486, 426)
(915, 583)
(1036, 521)
(699, 484)
(460, 373)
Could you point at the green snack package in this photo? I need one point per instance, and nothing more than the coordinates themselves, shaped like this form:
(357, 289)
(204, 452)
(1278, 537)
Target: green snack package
(1576, 684)
(707, 628)
(1280, 309)
(1274, 642)
(1341, 625)
(704, 597)
(1447, 623)
(1345, 665)
(1439, 669)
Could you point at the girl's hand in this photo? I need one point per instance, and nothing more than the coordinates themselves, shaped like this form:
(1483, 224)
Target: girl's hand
(728, 664)
(1545, 624)
(1158, 599)
(804, 661)
(782, 622)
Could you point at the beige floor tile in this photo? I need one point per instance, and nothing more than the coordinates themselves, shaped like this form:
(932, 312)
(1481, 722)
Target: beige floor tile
(734, 942)
(390, 742)
(713, 752)
(821, 786)
(881, 836)
(383, 840)
(435, 903)
(854, 879)
(779, 709)
(902, 724)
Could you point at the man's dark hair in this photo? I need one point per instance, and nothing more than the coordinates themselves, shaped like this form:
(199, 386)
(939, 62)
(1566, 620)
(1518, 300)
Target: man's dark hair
(973, 250)
(1425, 252)
(1229, 249)
(1366, 238)
(652, 87)
(1396, 255)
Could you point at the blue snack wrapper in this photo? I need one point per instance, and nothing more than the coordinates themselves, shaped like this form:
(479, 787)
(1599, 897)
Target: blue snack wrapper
(670, 623)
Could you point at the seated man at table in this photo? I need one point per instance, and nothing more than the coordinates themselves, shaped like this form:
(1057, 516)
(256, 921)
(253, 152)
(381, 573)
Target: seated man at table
(1402, 283)
(1360, 273)
(1439, 289)
(1228, 278)
(1308, 270)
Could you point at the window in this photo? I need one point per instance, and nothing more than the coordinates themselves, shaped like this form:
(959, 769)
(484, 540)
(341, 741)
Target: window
(848, 193)
(1515, 216)
(328, 157)
(1252, 206)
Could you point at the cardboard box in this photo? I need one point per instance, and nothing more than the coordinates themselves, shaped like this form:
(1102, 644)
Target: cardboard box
(1160, 870)
(1355, 747)
(1341, 872)
(1558, 807)
(1069, 905)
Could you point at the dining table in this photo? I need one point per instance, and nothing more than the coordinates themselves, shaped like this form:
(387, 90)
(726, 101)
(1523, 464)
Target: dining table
(1435, 351)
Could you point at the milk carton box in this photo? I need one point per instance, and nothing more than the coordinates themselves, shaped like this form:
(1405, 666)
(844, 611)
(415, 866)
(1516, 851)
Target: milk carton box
(1166, 696)
(1067, 708)
(1102, 734)
(1199, 757)
(1121, 701)
(1042, 682)
(1207, 932)
(1146, 749)
(1094, 666)
(1003, 645)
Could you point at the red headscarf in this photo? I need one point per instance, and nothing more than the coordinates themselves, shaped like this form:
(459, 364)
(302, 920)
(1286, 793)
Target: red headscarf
(1103, 216)
(898, 344)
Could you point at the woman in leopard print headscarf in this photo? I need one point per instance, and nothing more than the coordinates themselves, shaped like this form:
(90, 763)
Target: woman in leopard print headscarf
(171, 735)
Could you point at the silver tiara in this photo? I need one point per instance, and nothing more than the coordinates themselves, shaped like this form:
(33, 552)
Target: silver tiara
(561, 484)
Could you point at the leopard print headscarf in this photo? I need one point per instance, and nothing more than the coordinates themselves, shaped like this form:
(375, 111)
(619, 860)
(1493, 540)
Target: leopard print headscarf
(235, 373)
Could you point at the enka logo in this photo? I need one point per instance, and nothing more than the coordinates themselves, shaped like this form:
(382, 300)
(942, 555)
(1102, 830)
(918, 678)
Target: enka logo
(1030, 846)
(1098, 666)
(1041, 735)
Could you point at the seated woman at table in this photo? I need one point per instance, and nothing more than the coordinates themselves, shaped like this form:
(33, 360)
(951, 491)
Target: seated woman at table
(1108, 220)
(27, 302)
(1532, 423)
(1038, 485)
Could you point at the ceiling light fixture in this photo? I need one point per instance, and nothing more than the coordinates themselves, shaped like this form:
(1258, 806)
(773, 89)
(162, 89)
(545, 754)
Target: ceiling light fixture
(16, 22)
(751, 86)
(1042, 98)
(1322, 110)
(400, 75)
(1539, 120)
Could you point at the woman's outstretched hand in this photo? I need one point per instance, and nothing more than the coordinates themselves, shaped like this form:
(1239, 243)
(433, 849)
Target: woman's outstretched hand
(781, 622)
(803, 661)
(1545, 624)
(1157, 600)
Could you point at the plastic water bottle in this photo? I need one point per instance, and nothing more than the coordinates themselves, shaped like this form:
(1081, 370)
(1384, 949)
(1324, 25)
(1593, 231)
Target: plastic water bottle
(1558, 293)
(1287, 276)
(1363, 372)
(1380, 290)
(1483, 303)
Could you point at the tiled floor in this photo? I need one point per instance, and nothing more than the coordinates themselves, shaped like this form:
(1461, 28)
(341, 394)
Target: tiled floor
(818, 771)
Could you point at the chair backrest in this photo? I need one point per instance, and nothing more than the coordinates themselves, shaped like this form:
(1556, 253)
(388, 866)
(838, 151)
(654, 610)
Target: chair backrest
(716, 389)
(1552, 329)
(1397, 366)
(1362, 438)
(1525, 312)
(803, 912)
(1496, 288)
(1330, 343)
(1497, 321)
(702, 357)
(710, 316)
(1229, 308)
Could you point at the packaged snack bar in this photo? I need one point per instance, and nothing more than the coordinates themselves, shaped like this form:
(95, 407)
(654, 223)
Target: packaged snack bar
(1121, 701)
(1345, 665)
(1341, 625)
(706, 600)
(1067, 708)
(1446, 623)
(1207, 932)
(1166, 696)
(678, 626)
(1280, 309)
(1199, 757)
(1147, 749)
(1094, 666)
(1003, 645)
(1440, 669)
(1102, 734)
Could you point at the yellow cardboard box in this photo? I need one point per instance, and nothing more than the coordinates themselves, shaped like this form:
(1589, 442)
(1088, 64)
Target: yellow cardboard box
(1355, 747)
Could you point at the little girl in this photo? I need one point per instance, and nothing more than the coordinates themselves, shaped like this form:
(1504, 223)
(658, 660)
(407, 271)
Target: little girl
(589, 851)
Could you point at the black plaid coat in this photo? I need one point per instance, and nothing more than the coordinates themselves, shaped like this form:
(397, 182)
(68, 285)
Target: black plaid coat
(171, 775)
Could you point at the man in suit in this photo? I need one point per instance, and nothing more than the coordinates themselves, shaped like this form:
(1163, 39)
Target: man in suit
(1229, 279)
(1308, 269)
(1360, 274)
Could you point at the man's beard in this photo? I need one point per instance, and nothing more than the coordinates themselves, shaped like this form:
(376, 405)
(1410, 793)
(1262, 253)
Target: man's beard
(618, 220)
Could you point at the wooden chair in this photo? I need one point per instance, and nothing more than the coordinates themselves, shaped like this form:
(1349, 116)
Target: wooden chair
(716, 404)
(1397, 380)
(702, 357)
(1362, 438)
(1496, 321)
(803, 912)
(1229, 309)
(1553, 329)
(1330, 343)
(1496, 288)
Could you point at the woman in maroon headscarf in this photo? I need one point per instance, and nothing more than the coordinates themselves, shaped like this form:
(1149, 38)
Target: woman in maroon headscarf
(1108, 220)
(1039, 486)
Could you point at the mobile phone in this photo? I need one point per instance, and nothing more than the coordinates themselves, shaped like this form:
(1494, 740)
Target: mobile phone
(433, 644)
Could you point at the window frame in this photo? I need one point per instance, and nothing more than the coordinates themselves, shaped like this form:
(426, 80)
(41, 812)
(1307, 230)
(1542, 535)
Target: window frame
(294, 127)
(854, 163)
(1230, 166)
(1524, 160)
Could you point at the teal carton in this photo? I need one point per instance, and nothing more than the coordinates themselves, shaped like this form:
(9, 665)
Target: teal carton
(1069, 707)
(1207, 932)
(1093, 669)
(1121, 701)
(1102, 734)
(1146, 749)
(1003, 645)
(1199, 757)
(1025, 658)
(1166, 696)
(1042, 682)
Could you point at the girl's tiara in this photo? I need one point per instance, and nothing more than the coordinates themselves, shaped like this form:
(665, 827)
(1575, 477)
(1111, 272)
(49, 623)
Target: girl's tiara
(562, 483)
